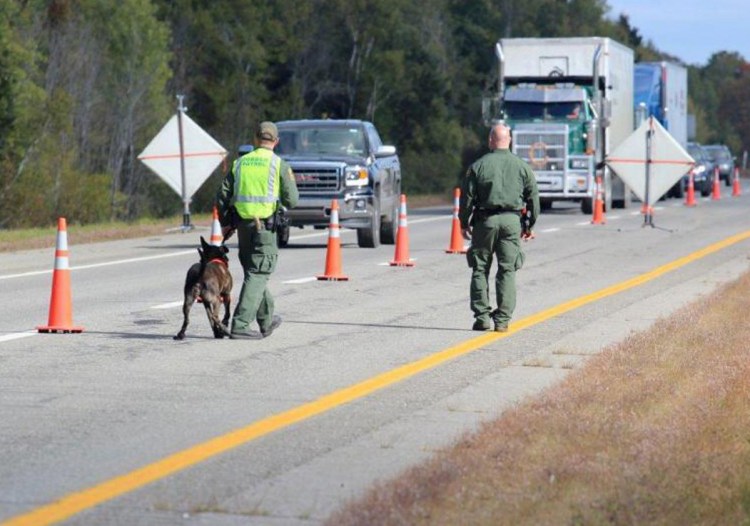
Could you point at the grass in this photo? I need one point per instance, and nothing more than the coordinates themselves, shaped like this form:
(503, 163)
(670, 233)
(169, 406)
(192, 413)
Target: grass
(653, 430)
(33, 238)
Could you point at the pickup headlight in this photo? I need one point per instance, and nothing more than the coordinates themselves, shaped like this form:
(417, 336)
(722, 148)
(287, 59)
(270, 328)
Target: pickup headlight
(356, 176)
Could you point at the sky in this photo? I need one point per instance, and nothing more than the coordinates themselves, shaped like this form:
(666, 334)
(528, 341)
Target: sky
(691, 30)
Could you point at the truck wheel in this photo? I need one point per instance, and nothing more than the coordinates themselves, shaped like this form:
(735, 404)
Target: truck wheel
(282, 236)
(370, 237)
(587, 205)
(389, 229)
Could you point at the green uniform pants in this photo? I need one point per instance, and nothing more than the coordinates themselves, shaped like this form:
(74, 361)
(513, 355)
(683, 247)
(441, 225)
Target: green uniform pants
(497, 235)
(258, 256)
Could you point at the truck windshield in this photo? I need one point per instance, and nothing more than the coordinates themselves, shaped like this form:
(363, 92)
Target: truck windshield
(646, 86)
(517, 110)
(326, 140)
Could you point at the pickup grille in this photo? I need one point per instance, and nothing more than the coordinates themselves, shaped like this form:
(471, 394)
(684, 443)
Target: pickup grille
(317, 180)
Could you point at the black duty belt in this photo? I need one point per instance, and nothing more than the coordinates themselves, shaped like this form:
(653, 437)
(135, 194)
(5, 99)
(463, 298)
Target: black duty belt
(495, 211)
(268, 222)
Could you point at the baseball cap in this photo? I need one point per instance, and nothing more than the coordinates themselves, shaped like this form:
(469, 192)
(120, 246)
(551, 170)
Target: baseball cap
(267, 131)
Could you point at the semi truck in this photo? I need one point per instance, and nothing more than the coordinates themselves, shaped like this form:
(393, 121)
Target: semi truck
(568, 102)
(660, 91)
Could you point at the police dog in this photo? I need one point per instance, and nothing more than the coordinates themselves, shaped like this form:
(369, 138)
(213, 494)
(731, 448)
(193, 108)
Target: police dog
(211, 281)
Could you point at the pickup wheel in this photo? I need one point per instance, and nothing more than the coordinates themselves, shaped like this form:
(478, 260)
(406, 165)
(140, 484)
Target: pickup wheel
(389, 229)
(587, 205)
(370, 237)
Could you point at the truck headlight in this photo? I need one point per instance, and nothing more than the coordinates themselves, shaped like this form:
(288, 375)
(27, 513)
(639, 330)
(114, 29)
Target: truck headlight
(699, 169)
(356, 176)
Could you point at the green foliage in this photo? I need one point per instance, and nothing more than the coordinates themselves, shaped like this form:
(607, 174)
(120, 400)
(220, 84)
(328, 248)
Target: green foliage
(86, 84)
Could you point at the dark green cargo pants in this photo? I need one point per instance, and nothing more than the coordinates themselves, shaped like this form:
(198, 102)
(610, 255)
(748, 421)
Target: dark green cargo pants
(258, 256)
(497, 235)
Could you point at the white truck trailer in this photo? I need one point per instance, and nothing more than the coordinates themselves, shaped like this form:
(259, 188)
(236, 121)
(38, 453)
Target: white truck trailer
(569, 102)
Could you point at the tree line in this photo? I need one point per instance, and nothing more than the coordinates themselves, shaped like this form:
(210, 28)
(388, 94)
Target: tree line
(86, 84)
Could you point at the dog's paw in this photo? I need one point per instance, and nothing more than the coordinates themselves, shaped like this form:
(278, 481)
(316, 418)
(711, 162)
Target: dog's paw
(180, 336)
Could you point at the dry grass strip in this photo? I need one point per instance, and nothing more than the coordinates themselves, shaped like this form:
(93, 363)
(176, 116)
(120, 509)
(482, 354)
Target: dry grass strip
(653, 430)
(34, 238)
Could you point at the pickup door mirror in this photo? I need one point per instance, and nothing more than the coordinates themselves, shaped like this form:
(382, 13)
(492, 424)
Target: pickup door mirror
(385, 151)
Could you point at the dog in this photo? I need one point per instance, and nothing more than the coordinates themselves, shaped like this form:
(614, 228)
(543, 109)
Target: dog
(211, 282)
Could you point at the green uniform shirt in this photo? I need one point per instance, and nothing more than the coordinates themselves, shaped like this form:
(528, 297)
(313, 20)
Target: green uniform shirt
(288, 193)
(499, 180)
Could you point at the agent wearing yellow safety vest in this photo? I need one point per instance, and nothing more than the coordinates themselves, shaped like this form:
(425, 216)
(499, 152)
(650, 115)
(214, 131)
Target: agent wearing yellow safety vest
(258, 183)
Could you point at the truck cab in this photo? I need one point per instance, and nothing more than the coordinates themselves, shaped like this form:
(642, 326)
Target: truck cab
(568, 102)
(560, 115)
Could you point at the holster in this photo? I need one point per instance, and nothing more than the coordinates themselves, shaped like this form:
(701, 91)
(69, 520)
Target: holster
(525, 221)
(233, 218)
(279, 218)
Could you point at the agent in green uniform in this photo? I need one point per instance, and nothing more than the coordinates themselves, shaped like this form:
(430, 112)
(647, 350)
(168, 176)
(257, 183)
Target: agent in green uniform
(258, 183)
(494, 192)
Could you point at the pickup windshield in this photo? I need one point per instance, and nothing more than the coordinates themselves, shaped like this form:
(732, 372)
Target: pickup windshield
(325, 140)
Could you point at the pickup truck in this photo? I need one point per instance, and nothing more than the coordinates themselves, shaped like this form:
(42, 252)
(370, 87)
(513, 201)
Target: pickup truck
(344, 160)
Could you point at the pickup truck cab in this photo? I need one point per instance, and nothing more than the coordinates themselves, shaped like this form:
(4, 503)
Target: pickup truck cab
(344, 160)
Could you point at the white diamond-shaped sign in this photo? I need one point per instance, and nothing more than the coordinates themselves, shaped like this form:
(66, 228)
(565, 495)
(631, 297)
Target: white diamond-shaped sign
(668, 161)
(202, 155)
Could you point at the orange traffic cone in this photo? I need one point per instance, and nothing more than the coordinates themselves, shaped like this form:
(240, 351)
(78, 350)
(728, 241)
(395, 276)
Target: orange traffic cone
(716, 194)
(333, 255)
(401, 257)
(216, 236)
(736, 189)
(60, 308)
(690, 195)
(598, 217)
(457, 241)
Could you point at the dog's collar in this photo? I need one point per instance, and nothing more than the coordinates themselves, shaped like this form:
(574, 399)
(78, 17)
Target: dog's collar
(218, 260)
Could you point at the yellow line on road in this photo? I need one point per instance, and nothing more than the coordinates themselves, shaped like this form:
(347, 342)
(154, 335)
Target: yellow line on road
(74, 503)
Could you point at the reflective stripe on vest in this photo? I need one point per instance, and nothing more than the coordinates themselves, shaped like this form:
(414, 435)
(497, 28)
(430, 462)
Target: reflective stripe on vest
(256, 183)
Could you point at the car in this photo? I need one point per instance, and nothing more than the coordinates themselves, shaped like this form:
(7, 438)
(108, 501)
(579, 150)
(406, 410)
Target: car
(702, 173)
(344, 160)
(722, 157)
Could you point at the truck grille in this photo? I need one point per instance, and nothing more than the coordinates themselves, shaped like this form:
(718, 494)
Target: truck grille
(317, 180)
(543, 148)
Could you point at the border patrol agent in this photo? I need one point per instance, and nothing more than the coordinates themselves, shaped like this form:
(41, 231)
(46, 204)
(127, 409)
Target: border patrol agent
(498, 192)
(255, 186)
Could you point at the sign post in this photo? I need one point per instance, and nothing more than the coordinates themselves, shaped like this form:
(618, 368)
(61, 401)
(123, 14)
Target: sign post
(183, 155)
(647, 215)
(185, 200)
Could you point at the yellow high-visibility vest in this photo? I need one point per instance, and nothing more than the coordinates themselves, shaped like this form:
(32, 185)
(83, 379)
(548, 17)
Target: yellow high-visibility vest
(256, 183)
